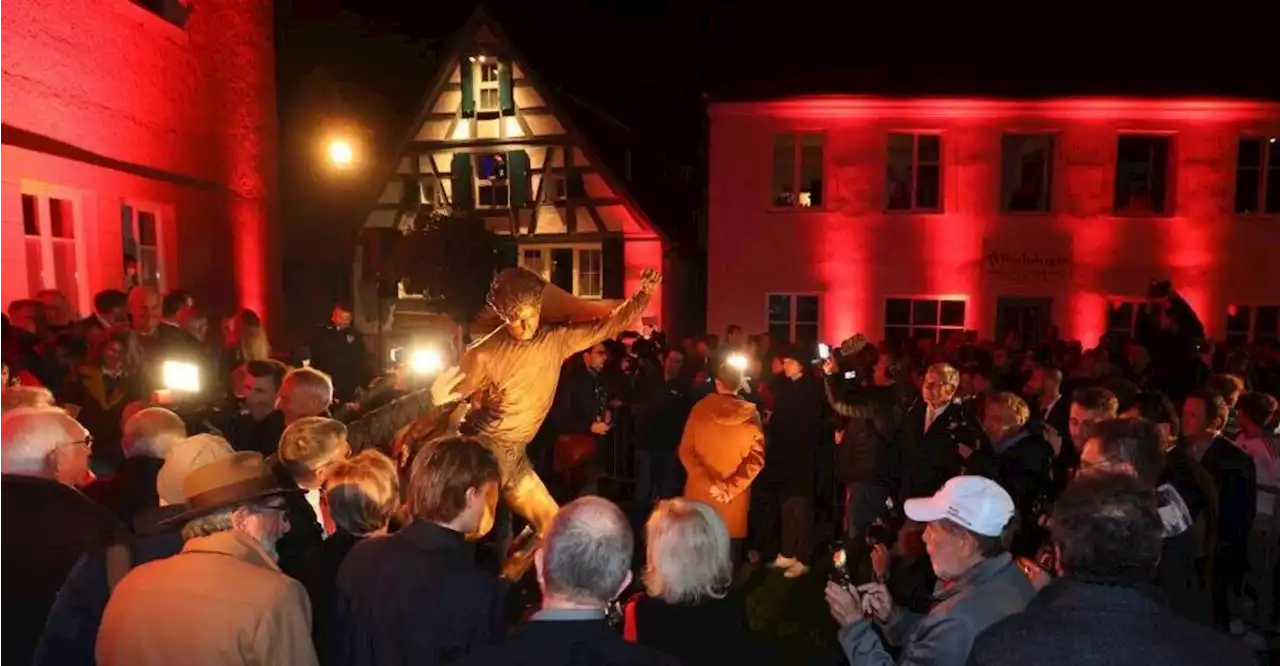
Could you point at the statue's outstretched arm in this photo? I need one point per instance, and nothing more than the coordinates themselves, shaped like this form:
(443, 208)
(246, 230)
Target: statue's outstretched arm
(581, 336)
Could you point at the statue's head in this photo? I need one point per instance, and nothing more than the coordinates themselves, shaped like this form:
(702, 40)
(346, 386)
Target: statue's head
(516, 295)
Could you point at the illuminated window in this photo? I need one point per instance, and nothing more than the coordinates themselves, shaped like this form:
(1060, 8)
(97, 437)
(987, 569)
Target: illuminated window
(1258, 176)
(1253, 324)
(1142, 173)
(141, 233)
(914, 173)
(922, 318)
(577, 268)
(797, 171)
(52, 246)
(487, 98)
(565, 186)
(1027, 172)
(492, 189)
(793, 317)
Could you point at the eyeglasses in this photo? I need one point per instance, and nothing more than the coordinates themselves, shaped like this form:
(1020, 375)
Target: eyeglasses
(86, 443)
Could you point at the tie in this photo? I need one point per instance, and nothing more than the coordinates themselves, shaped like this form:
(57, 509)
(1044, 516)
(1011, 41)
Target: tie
(929, 416)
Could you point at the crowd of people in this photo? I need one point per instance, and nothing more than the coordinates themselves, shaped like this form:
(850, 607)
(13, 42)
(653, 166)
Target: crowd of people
(967, 502)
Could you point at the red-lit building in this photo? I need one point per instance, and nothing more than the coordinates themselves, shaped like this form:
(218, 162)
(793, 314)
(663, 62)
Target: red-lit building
(907, 218)
(139, 134)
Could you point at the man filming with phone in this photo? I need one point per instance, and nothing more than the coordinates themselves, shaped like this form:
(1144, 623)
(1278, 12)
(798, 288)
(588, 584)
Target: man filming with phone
(967, 531)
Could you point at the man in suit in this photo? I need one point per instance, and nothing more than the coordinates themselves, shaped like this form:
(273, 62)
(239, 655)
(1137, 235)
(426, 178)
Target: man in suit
(108, 311)
(585, 563)
(939, 434)
(1103, 610)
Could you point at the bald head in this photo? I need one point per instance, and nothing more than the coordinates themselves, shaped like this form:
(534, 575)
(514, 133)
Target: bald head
(44, 442)
(152, 432)
(586, 555)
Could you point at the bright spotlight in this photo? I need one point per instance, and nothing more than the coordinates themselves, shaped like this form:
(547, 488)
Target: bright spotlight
(425, 361)
(738, 361)
(341, 154)
(180, 376)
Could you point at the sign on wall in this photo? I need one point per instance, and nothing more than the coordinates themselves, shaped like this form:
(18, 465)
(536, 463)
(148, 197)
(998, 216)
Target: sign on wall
(1027, 263)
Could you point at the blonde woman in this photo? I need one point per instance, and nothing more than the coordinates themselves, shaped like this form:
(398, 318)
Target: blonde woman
(687, 609)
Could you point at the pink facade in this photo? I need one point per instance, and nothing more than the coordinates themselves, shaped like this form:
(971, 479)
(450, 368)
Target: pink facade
(1076, 259)
(127, 135)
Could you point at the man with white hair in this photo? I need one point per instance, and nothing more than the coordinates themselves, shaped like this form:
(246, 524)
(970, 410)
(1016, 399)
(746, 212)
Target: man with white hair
(584, 564)
(304, 392)
(72, 628)
(47, 523)
(148, 436)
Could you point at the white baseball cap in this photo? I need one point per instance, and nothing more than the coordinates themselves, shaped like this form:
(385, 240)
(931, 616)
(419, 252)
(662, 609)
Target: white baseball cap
(975, 503)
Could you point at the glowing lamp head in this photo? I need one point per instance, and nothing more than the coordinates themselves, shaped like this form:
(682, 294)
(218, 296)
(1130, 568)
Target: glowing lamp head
(824, 351)
(180, 376)
(425, 361)
(341, 154)
(738, 362)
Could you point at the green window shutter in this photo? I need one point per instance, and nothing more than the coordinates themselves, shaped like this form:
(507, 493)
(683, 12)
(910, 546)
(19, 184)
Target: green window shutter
(465, 72)
(614, 267)
(460, 174)
(518, 177)
(506, 100)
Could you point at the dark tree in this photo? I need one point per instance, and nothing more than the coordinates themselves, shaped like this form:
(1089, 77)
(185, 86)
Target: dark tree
(450, 259)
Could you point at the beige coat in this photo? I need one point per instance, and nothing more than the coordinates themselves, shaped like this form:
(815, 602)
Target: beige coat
(723, 442)
(221, 601)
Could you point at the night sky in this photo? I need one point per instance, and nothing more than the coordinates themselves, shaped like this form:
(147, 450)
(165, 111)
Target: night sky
(652, 65)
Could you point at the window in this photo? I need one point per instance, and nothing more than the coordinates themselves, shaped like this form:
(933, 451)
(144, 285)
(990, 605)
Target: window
(793, 317)
(487, 84)
(578, 269)
(1142, 171)
(1253, 324)
(797, 171)
(922, 318)
(565, 186)
(1258, 176)
(141, 234)
(1123, 314)
(1027, 170)
(51, 245)
(492, 189)
(915, 172)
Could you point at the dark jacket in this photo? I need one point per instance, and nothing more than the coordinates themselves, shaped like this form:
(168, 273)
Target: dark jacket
(928, 459)
(1236, 478)
(873, 418)
(47, 527)
(131, 490)
(793, 435)
(72, 629)
(101, 400)
(579, 401)
(568, 642)
(661, 424)
(333, 552)
(681, 630)
(245, 434)
(1188, 591)
(340, 353)
(1022, 464)
(415, 597)
(299, 548)
(1073, 623)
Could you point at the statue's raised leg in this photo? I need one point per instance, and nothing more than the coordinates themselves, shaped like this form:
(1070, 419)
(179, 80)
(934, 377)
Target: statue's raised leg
(528, 497)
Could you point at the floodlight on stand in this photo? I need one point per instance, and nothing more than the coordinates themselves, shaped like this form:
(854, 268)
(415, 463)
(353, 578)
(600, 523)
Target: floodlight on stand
(180, 376)
(738, 361)
(425, 361)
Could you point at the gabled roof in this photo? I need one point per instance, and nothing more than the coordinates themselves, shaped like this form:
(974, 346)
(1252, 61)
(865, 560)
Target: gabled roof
(461, 40)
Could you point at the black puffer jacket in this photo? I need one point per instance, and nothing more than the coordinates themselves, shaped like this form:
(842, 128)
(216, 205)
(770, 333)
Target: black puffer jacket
(871, 418)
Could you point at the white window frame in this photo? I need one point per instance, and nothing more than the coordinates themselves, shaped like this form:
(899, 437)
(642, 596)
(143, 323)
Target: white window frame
(939, 327)
(797, 165)
(157, 212)
(1114, 302)
(488, 182)
(915, 174)
(791, 325)
(1270, 155)
(43, 193)
(545, 270)
(481, 64)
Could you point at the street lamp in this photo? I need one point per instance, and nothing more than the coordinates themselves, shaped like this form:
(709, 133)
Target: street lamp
(341, 154)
